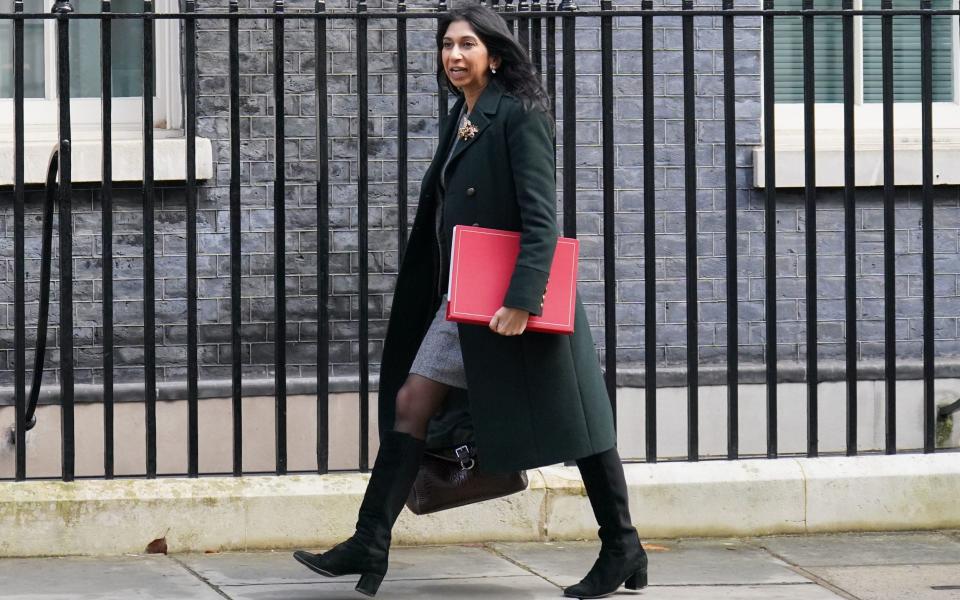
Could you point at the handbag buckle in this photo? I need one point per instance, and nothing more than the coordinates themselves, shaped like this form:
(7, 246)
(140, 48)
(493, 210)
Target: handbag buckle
(463, 455)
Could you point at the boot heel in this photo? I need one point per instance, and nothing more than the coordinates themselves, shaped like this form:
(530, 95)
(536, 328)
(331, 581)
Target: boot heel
(369, 584)
(636, 581)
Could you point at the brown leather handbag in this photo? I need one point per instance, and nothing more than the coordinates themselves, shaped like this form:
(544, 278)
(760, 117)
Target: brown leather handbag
(450, 478)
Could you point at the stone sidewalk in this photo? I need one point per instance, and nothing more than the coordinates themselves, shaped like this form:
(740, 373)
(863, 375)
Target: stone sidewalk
(901, 566)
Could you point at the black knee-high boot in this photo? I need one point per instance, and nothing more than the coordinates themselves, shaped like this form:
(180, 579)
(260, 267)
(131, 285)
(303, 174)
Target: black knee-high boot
(622, 559)
(365, 553)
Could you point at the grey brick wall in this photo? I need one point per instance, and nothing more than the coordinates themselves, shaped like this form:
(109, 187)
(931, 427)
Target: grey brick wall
(257, 172)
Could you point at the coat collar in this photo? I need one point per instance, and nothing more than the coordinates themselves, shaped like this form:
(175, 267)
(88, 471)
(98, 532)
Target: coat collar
(489, 100)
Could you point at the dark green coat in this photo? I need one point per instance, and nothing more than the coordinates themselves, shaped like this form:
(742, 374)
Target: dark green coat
(534, 399)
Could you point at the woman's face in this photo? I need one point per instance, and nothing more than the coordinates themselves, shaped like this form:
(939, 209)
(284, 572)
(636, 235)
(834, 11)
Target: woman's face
(465, 58)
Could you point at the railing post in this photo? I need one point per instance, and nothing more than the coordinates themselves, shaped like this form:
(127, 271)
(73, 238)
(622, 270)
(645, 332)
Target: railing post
(62, 8)
(523, 24)
(190, 129)
(649, 240)
(810, 205)
(730, 173)
(443, 96)
(569, 37)
(149, 252)
(236, 321)
(363, 190)
(850, 227)
(279, 244)
(402, 142)
(770, 229)
(19, 250)
(926, 133)
(323, 243)
(551, 49)
(569, 119)
(536, 37)
(889, 231)
(609, 208)
(690, 224)
(106, 224)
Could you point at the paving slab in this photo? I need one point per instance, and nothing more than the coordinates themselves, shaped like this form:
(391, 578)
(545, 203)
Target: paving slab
(140, 578)
(425, 562)
(865, 549)
(696, 562)
(895, 582)
(514, 588)
(788, 591)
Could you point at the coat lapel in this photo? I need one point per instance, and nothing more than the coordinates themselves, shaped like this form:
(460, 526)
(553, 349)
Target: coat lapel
(486, 106)
(443, 146)
(447, 133)
(481, 122)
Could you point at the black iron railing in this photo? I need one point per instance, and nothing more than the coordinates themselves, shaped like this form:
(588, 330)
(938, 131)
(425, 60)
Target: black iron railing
(536, 26)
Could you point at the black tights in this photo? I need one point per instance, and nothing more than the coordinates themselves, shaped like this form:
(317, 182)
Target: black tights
(417, 401)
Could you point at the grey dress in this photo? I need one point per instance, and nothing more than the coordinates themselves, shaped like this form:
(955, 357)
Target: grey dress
(439, 357)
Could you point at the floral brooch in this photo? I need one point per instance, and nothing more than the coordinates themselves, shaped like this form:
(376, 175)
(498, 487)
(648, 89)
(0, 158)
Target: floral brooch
(467, 130)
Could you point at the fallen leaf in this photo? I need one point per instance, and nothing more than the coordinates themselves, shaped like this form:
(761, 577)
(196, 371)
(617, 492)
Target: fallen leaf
(157, 546)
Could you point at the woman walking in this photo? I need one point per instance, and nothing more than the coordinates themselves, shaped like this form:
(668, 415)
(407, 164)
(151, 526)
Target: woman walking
(535, 399)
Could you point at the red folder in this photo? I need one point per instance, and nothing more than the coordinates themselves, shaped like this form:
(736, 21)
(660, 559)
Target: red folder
(481, 266)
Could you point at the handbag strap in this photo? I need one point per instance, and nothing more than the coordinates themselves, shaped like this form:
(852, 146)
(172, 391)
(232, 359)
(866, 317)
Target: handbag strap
(463, 455)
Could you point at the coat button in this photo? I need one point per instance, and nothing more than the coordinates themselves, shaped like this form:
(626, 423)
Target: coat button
(471, 191)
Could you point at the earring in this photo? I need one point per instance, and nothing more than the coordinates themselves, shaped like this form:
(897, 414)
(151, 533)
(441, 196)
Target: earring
(493, 70)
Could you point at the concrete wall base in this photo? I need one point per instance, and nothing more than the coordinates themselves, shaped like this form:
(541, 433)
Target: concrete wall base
(717, 498)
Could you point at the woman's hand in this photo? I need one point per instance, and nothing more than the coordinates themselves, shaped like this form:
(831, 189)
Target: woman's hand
(509, 321)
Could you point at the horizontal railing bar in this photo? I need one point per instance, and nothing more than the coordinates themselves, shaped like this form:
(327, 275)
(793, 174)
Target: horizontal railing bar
(626, 461)
(667, 377)
(183, 475)
(714, 12)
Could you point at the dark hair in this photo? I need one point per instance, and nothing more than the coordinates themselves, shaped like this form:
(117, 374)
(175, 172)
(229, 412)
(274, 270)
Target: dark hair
(516, 75)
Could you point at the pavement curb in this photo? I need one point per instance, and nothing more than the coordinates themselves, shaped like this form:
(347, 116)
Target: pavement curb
(715, 498)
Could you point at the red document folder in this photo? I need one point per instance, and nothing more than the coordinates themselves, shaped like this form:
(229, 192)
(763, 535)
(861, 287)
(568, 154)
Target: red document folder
(481, 266)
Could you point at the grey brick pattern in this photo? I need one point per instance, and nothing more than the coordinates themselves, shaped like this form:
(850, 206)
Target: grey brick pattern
(257, 173)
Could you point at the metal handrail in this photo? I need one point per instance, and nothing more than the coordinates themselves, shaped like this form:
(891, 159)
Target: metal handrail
(46, 258)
